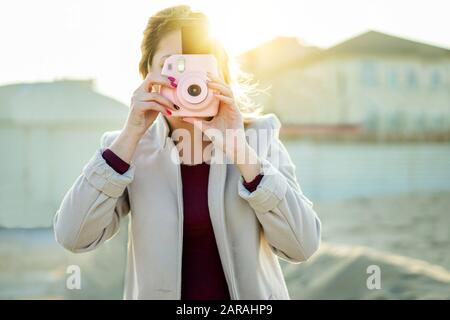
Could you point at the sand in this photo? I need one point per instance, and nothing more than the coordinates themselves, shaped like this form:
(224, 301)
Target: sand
(341, 272)
(406, 236)
(413, 225)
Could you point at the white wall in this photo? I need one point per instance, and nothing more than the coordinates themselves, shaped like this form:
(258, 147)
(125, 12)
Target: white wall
(389, 93)
(39, 165)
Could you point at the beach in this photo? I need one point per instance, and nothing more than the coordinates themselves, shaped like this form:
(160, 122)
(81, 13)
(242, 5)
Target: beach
(405, 236)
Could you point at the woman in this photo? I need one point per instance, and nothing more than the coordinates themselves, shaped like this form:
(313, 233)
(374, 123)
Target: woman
(199, 228)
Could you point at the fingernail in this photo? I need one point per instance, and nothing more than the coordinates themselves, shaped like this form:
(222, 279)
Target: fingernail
(173, 84)
(171, 79)
(169, 112)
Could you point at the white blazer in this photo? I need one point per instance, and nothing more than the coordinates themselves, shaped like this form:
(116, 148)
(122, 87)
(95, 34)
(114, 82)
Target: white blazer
(251, 229)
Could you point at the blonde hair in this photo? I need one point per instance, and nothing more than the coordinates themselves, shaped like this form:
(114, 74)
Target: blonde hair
(173, 18)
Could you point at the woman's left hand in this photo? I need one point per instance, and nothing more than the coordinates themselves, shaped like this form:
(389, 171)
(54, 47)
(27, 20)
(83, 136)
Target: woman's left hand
(226, 130)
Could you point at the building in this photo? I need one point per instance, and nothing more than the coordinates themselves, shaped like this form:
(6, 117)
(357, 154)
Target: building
(386, 85)
(48, 131)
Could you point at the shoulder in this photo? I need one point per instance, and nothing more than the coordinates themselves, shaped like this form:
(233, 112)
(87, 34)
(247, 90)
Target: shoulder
(266, 121)
(267, 126)
(108, 137)
(263, 132)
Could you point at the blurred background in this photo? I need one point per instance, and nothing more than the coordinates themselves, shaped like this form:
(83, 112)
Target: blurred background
(363, 91)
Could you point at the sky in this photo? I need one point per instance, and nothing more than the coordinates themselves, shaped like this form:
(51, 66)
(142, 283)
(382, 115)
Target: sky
(54, 39)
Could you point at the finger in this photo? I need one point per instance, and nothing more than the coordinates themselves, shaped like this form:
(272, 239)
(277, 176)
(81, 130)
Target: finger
(146, 83)
(223, 89)
(151, 80)
(214, 77)
(225, 99)
(153, 106)
(152, 96)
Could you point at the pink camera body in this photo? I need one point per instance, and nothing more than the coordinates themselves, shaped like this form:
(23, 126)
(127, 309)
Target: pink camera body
(191, 95)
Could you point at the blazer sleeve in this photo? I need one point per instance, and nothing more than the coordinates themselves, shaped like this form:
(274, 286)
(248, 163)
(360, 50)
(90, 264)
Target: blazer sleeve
(291, 226)
(92, 208)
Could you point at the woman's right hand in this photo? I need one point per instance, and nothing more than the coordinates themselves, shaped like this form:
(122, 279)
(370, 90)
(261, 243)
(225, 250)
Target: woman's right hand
(145, 106)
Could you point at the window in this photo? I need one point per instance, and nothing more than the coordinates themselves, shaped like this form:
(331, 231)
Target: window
(392, 78)
(435, 79)
(411, 77)
(369, 74)
(341, 81)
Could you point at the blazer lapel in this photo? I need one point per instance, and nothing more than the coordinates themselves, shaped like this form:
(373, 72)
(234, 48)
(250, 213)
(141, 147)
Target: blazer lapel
(216, 185)
(216, 204)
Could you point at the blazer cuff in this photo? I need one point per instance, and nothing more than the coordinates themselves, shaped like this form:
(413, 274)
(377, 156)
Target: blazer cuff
(270, 191)
(114, 161)
(252, 185)
(104, 178)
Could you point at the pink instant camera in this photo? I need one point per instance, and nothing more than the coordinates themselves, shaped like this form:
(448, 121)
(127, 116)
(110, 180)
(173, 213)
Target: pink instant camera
(191, 95)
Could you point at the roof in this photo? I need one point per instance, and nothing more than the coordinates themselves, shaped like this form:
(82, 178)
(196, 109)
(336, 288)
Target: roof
(274, 54)
(60, 101)
(374, 42)
(368, 43)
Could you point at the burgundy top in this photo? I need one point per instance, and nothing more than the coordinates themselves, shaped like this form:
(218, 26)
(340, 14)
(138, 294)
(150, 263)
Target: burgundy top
(202, 274)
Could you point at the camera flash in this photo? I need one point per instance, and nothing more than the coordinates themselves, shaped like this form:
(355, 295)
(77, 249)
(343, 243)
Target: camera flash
(180, 65)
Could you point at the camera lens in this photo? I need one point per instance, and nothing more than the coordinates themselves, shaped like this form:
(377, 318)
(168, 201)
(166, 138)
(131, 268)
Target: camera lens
(194, 90)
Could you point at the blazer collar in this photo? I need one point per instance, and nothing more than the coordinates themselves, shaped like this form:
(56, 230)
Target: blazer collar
(159, 131)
